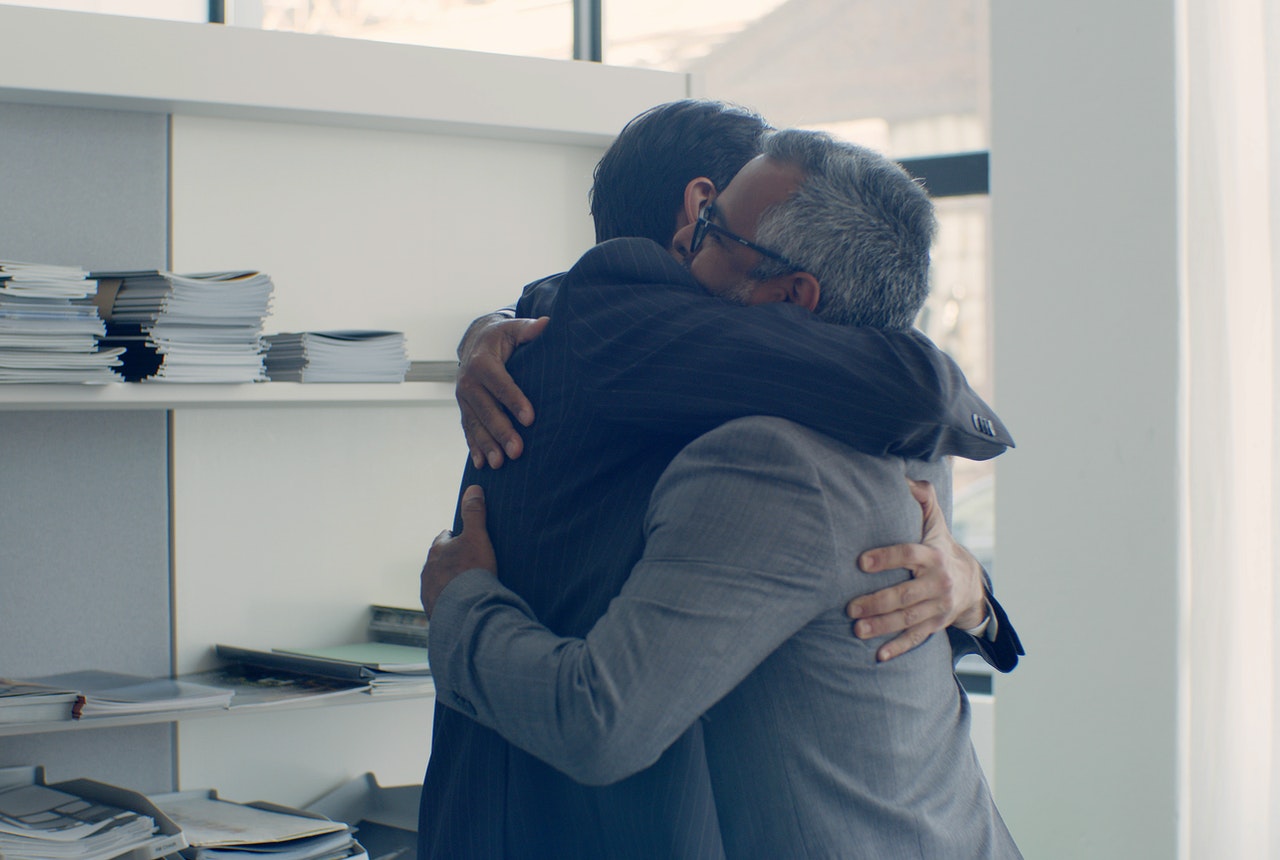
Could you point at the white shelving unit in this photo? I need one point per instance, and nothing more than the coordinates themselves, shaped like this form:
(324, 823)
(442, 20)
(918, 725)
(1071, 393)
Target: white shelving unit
(381, 186)
(363, 700)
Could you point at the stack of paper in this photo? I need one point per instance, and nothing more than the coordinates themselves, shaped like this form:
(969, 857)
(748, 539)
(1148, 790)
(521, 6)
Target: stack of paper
(50, 327)
(257, 688)
(223, 830)
(24, 702)
(189, 328)
(385, 667)
(110, 694)
(43, 823)
(337, 356)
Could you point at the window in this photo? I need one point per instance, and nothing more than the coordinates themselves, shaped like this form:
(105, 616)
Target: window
(170, 10)
(910, 79)
(533, 28)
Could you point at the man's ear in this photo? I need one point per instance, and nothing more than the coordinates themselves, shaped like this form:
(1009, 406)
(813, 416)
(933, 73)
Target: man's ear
(697, 194)
(797, 288)
(803, 289)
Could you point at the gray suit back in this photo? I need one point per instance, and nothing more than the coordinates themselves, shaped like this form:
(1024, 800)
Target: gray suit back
(822, 751)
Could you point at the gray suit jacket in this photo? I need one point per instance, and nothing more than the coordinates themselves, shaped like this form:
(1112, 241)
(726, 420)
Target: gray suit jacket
(815, 749)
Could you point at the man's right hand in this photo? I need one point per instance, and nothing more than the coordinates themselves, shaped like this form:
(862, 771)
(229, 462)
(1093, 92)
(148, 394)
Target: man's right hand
(484, 387)
(453, 555)
(946, 585)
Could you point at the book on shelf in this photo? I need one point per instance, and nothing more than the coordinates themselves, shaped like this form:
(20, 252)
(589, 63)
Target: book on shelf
(204, 327)
(220, 829)
(393, 659)
(377, 656)
(276, 661)
(50, 327)
(80, 820)
(403, 672)
(350, 355)
(112, 694)
(25, 702)
(256, 688)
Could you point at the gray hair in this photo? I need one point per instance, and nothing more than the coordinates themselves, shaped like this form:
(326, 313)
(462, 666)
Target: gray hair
(858, 223)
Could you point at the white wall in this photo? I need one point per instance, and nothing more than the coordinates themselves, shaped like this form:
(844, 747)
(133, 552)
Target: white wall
(363, 228)
(1084, 229)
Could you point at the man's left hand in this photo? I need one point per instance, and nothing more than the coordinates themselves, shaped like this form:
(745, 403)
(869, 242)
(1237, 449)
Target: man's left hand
(452, 555)
(946, 587)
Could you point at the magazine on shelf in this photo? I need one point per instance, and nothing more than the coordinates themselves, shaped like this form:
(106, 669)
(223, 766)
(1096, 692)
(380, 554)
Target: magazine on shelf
(351, 355)
(204, 327)
(385, 818)
(257, 688)
(393, 660)
(110, 694)
(378, 656)
(25, 702)
(382, 674)
(220, 829)
(80, 819)
(297, 664)
(50, 327)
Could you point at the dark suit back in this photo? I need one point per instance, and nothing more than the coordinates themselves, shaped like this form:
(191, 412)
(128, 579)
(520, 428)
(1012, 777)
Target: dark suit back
(637, 362)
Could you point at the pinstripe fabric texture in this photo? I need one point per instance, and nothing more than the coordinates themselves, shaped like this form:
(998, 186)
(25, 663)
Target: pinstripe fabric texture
(637, 362)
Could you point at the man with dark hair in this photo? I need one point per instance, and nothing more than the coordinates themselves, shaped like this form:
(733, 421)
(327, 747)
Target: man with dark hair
(638, 189)
(631, 367)
(815, 747)
(639, 182)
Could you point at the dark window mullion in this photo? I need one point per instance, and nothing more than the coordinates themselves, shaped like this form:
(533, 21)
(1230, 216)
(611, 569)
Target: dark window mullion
(588, 41)
(958, 175)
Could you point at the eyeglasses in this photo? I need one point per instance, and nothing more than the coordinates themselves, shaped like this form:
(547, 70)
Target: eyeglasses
(705, 225)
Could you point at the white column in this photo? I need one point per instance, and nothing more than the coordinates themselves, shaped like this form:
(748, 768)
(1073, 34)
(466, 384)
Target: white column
(1085, 233)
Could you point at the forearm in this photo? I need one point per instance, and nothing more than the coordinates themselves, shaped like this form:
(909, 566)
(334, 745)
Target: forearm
(715, 594)
(588, 710)
(673, 359)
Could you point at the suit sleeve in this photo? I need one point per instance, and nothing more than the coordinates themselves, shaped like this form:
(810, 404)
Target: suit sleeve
(537, 298)
(1001, 653)
(719, 587)
(657, 353)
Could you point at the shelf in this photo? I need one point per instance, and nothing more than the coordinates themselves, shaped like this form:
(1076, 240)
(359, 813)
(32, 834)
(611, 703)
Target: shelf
(358, 697)
(159, 395)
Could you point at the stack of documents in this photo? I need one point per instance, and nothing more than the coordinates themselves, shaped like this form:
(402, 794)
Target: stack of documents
(385, 818)
(50, 326)
(384, 666)
(337, 356)
(24, 702)
(37, 821)
(111, 694)
(394, 660)
(188, 328)
(257, 688)
(223, 830)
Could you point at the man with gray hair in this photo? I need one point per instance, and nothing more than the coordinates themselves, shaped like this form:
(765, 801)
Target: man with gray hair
(815, 748)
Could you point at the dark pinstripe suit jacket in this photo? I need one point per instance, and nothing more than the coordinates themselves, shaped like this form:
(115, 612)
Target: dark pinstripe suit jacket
(637, 362)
